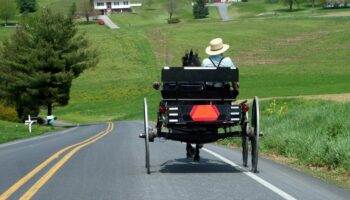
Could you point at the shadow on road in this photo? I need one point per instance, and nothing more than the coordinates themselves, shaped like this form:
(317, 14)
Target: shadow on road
(184, 165)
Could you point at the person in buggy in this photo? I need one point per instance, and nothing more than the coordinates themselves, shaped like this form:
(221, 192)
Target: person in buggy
(216, 59)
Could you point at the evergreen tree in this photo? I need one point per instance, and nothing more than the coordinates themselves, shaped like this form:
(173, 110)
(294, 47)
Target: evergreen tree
(39, 62)
(200, 10)
(15, 75)
(26, 5)
(8, 9)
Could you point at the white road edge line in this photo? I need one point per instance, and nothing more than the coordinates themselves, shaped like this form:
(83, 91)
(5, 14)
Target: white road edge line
(253, 176)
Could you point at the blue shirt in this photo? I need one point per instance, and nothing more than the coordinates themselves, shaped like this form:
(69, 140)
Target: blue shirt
(226, 62)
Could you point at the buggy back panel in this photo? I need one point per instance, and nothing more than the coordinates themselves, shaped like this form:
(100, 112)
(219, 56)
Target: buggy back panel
(189, 83)
(199, 74)
(203, 114)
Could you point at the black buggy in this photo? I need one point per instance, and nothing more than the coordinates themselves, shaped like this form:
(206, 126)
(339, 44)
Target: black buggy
(193, 112)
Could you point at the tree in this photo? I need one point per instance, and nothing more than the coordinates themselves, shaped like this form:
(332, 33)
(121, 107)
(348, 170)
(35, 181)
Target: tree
(15, 76)
(200, 10)
(86, 9)
(26, 5)
(290, 3)
(73, 10)
(149, 2)
(40, 60)
(8, 10)
(171, 8)
(313, 3)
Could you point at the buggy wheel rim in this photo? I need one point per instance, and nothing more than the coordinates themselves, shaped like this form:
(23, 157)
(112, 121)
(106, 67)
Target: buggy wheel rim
(147, 155)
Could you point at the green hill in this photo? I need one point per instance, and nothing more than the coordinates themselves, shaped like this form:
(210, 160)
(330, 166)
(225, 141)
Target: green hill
(277, 56)
(285, 54)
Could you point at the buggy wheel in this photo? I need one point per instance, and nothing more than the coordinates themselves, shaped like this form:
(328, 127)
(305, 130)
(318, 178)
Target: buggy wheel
(244, 127)
(255, 134)
(147, 136)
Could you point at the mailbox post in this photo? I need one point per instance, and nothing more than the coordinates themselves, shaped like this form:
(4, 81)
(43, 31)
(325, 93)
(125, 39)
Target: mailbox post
(29, 123)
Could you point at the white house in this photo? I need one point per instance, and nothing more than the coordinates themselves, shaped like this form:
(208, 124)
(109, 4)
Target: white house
(108, 6)
(225, 1)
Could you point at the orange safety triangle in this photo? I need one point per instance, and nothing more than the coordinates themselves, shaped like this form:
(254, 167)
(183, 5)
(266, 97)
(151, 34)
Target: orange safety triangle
(204, 113)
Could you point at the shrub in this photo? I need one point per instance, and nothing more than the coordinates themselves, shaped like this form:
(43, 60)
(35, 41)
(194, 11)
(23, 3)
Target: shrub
(7, 113)
(200, 10)
(173, 20)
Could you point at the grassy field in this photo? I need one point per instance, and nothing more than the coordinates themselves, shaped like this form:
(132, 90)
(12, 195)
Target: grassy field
(276, 57)
(57, 5)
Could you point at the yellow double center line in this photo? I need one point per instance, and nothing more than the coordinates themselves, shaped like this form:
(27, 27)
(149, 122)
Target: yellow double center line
(35, 188)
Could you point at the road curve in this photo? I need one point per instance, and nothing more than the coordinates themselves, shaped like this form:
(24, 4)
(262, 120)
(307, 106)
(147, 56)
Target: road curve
(111, 166)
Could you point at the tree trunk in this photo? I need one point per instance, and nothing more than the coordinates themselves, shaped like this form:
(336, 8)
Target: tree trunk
(20, 112)
(49, 109)
(87, 18)
(290, 5)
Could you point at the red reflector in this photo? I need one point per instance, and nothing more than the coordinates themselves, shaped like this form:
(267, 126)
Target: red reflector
(204, 113)
(162, 109)
(245, 108)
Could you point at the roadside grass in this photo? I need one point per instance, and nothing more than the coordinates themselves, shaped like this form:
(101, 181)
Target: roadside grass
(10, 131)
(310, 133)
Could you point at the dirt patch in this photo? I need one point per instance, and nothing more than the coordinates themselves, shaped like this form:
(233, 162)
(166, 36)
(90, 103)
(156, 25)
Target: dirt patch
(345, 97)
(261, 61)
(339, 14)
(305, 36)
(256, 57)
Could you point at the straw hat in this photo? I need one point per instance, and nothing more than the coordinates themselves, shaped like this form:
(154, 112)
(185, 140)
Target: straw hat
(216, 47)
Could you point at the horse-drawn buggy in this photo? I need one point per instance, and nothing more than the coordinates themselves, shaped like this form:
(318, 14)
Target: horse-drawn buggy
(194, 112)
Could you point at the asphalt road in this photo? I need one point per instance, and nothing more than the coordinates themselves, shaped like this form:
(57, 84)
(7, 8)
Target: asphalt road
(223, 10)
(111, 166)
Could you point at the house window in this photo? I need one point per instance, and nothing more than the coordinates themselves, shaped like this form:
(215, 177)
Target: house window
(116, 3)
(126, 3)
(100, 4)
